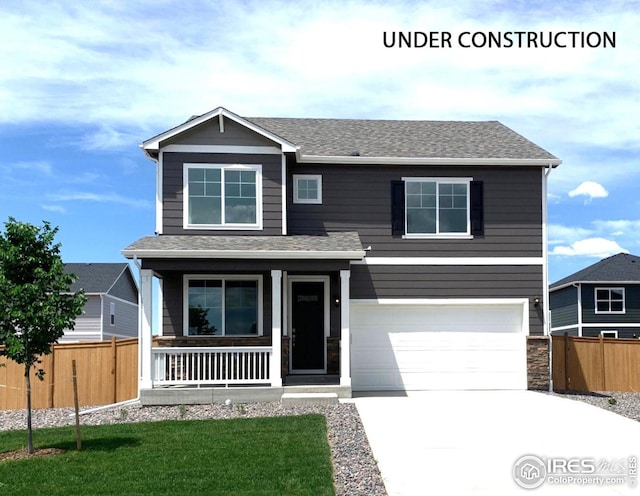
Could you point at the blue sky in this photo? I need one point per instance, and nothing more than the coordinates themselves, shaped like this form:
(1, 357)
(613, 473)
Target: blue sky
(83, 83)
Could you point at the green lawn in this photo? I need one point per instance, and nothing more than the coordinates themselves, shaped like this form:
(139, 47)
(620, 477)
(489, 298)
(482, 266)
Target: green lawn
(279, 456)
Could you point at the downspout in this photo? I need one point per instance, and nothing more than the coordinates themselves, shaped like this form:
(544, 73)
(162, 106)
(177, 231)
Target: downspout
(137, 398)
(545, 273)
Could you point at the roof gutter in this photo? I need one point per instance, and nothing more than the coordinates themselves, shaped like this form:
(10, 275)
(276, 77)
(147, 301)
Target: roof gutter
(465, 161)
(247, 254)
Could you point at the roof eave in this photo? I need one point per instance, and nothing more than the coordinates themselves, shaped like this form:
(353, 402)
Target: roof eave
(153, 144)
(573, 283)
(247, 254)
(359, 160)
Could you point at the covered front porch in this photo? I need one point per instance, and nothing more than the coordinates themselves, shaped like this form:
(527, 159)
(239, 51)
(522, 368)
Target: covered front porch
(298, 341)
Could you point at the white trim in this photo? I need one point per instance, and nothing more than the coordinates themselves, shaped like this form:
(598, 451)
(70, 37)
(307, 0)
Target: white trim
(276, 328)
(257, 168)
(159, 186)
(615, 334)
(246, 254)
(116, 299)
(283, 180)
(160, 310)
(564, 328)
(224, 277)
(579, 288)
(546, 311)
(153, 144)
(256, 150)
(326, 280)
(612, 325)
(345, 332)
(285, 303)
(308, 177)
(449, 261)
(221, 122)
(350, 160)
(610, 289)
(437, 234)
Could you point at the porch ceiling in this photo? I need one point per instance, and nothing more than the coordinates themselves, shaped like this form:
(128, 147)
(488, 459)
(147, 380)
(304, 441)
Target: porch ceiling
(335, 245)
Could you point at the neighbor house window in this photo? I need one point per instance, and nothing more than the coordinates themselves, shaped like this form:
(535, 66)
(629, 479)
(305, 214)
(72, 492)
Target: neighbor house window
(436, 207)
(610, 300)
(609, 334)
(223, 306)
(307, 188)
(112, 313)
(222, 196)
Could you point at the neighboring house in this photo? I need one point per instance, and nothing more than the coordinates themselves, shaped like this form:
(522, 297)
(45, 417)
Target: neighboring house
(602, 299)
(112, 302)
(382, 255)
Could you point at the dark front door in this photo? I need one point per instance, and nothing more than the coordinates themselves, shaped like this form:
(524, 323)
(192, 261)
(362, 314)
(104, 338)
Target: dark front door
(307, 325)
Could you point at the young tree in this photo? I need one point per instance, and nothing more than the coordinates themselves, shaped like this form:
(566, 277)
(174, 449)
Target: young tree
(36, 304)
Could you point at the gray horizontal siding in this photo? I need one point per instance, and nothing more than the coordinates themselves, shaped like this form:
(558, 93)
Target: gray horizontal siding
(126, 319)
(125, 288)
(209, 133)
(410, 281)
(632, 305)
(564, 306)
(359, 198)
(88, 325)
(172, 185)
(571, 332)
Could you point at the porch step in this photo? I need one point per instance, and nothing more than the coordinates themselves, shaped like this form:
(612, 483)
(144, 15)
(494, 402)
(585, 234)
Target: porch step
(307, 399)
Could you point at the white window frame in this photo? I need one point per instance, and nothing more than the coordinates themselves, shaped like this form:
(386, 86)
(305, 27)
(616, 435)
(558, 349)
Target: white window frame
(112, 313)
(438, 234)
(604, 334)
(309, 177)
(624, 301)
(222, 277)
(257, 226)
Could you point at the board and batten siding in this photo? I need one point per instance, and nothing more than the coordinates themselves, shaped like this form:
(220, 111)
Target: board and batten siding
(208, 133)
(358, 198)
(451, 282)
(173, 187)
(563, 304)
(126, 319)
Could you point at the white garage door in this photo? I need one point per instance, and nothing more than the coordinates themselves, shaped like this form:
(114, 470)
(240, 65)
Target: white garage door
(438, 346)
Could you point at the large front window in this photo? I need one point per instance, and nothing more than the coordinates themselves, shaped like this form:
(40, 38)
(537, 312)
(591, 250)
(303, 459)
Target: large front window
(223, 306)
(222, 196)
(437, 206)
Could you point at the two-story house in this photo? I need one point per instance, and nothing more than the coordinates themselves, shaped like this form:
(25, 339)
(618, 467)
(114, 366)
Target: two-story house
(364, 254)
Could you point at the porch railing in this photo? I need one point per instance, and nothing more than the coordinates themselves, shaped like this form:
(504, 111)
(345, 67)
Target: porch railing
(220, 365)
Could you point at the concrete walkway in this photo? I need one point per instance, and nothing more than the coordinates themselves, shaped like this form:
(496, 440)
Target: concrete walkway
(467, 442)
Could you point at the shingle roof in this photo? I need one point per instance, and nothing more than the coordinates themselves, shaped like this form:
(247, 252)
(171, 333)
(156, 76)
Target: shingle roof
(331, 244)
(403, 138)
(617, 268)
(94, 277)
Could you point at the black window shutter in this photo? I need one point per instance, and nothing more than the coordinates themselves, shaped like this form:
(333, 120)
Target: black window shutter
(397, 208)
(477, 207)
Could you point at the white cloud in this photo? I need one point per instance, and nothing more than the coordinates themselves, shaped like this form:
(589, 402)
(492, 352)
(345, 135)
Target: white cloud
(591, 247)
(618, 227)
(40, 166)
(590, 189)
(54, 208)
(101, 198)
(559, 234)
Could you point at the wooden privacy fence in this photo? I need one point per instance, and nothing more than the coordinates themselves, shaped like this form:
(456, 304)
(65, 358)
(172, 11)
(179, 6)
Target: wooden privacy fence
(596, 364)
(107, 372)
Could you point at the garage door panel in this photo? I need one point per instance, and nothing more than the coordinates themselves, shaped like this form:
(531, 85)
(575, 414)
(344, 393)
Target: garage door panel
(421, 347)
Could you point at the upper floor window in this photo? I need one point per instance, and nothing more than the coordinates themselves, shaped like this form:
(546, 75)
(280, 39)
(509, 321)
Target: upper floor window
(610, 300)
(220, 196)
(437, 207)
(307, 188)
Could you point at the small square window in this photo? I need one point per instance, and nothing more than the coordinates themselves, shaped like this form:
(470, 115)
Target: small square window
(610, 300)
(307, 188)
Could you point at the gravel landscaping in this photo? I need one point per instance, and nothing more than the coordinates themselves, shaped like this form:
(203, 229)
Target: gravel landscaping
(625, 404)
(355, 470)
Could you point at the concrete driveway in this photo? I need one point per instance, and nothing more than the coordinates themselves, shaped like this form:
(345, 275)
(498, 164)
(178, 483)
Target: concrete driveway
(467, 442)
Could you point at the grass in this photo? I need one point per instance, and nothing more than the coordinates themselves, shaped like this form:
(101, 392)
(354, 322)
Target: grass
(261, 456)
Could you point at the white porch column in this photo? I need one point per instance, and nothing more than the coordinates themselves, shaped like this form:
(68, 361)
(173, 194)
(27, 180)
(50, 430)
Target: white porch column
(345, 335)
(276, 328)
(145, 303)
